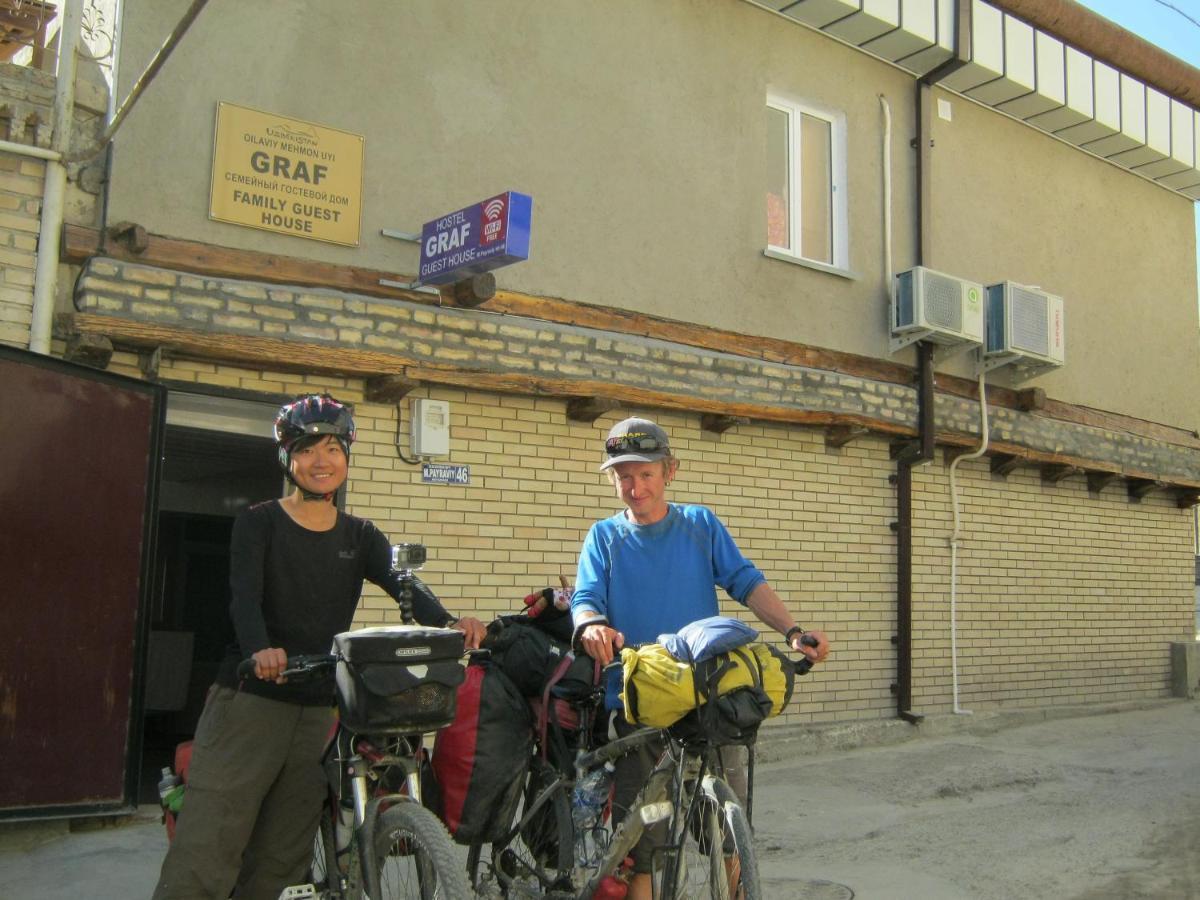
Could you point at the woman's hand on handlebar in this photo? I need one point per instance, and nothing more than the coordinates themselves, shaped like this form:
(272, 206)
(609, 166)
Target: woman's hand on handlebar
(813, 644)
(270, 663)
(601, 642)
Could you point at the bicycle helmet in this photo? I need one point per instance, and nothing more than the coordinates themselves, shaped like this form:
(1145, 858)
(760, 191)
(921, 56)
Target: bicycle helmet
(311, 416)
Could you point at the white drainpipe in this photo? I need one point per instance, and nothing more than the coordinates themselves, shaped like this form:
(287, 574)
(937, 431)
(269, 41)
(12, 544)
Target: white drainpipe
(45, 276)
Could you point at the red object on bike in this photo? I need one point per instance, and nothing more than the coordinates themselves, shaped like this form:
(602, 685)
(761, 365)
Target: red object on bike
(611, 888)
(183, 761)
(614, 887)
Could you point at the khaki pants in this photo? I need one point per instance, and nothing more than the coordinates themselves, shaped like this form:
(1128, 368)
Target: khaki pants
(253, 800)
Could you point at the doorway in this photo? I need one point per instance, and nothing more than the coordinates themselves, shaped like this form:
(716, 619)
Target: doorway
(218, 459)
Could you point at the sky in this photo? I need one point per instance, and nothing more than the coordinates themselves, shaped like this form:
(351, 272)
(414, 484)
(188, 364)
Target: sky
(1173, 25)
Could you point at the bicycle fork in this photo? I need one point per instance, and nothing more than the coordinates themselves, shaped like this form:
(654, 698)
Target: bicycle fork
(366, 809)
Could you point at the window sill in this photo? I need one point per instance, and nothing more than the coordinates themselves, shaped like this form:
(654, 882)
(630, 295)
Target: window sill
(809, 264)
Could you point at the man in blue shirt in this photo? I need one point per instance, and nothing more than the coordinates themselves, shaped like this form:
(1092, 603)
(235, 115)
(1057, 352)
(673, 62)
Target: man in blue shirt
(653, 569)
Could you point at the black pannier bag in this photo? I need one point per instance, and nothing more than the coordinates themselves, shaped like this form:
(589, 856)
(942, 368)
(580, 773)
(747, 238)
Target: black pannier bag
(398, 679)
(481, 759)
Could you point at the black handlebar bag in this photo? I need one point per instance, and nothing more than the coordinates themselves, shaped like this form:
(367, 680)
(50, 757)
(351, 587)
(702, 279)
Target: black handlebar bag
(398, 679)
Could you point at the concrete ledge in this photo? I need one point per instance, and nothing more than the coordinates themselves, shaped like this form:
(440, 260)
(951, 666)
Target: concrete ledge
(787, 742)
(1185, 669)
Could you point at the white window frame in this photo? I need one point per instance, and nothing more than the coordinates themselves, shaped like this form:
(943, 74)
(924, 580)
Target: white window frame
(793, 108)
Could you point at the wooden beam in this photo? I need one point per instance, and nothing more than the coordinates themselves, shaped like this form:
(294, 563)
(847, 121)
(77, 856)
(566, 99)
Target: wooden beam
(1098, 481)
(93, 350)
(283, 355)
(1004, 464)
(904, 449)
(719, 424)
(951, 453)
(840, 435)
(1138, 488)
(1054, 473)
(388, 388)
(589, 409)
(131, 236)
(79, 244)
(150, 362)
(1031, 399)
(470, 292)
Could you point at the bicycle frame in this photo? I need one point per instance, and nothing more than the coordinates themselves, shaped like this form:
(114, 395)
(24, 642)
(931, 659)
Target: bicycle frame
(669, 780)
(362, 760)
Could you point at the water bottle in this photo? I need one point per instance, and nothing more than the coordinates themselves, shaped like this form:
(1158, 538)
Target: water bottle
(166, 784)
(170, 790)
(588, 800)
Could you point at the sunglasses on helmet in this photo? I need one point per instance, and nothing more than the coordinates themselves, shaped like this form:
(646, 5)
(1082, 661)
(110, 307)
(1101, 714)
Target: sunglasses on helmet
(634, 443)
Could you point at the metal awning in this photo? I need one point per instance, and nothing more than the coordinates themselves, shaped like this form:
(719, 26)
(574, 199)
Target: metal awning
(1029, 74)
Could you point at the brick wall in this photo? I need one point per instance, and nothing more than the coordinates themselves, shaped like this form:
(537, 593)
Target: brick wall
(1064, 596)
(482, 341)
(20, 216)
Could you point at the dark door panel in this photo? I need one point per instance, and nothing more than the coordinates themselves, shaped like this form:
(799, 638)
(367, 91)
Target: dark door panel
(81, 455)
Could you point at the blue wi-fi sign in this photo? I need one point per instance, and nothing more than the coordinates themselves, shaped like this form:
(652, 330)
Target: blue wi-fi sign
(475, 239)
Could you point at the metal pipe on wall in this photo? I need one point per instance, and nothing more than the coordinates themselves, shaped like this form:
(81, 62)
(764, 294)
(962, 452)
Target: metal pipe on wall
(924, 448)
(45, 275)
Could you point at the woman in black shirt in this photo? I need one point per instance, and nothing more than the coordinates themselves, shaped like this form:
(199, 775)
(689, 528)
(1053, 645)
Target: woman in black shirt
(297, 568)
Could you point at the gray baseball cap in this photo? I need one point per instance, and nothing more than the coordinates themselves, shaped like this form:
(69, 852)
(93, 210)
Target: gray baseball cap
(635, 440)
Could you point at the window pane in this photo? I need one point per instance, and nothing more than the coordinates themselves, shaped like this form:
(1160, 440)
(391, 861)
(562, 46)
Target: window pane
(816, 189)
(778, 187)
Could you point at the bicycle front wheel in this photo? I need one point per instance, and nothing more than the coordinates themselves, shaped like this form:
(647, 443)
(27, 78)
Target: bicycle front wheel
(414, 856)
(718, 852)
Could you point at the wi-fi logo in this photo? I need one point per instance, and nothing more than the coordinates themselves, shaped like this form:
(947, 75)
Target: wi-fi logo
(493, 209)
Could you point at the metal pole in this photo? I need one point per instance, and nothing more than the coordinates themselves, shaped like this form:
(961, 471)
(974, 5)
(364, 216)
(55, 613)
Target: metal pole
(143, 81)
(45, 276)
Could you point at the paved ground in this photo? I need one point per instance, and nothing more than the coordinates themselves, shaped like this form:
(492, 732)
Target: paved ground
(1090, 807)
(1097, 807)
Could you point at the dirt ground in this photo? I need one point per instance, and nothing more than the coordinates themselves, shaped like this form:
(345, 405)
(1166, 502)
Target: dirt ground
(1091, 807)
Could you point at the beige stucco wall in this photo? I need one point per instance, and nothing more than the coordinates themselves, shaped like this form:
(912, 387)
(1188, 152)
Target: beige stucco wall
(1009, 203)
(635, 126)
(638, 129)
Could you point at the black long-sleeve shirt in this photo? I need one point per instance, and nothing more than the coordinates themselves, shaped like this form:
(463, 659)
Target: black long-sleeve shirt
(295, 588)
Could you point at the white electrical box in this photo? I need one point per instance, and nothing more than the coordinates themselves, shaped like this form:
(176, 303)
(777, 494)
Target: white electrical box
(430, 428)
(1024, 329)
(936, 307)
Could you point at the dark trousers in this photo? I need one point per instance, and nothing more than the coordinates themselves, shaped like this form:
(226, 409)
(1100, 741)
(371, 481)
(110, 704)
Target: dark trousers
(253, 800)
(630, 776)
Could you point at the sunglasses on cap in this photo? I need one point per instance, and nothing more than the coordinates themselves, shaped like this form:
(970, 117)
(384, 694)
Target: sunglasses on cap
(634, 443)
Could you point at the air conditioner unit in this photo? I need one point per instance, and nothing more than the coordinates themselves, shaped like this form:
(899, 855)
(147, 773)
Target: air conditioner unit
(1024, 328)
(933, 306)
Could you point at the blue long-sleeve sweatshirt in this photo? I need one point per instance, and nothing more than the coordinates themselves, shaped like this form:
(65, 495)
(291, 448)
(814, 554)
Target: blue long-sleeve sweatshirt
(649, 580)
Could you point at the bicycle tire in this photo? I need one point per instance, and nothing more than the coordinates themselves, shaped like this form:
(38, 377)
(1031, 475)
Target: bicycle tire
(718, 848)
(414, 857)
(540, 853)
(323, 870)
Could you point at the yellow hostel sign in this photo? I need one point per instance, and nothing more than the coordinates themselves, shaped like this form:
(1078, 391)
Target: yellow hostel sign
(286, 175)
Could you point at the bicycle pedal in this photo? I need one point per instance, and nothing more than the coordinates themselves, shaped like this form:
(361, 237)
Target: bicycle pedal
(299, 892)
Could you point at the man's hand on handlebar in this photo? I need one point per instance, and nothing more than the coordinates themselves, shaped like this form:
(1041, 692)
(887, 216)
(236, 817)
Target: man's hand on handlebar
(601, 642)
(270, 663)
(472, 629)
(813, 644)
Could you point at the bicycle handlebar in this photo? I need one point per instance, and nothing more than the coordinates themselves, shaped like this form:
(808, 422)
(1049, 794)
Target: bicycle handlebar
(300, 667)
(804, 665)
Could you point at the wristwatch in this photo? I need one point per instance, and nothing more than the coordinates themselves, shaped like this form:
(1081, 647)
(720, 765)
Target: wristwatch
(787, 635)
